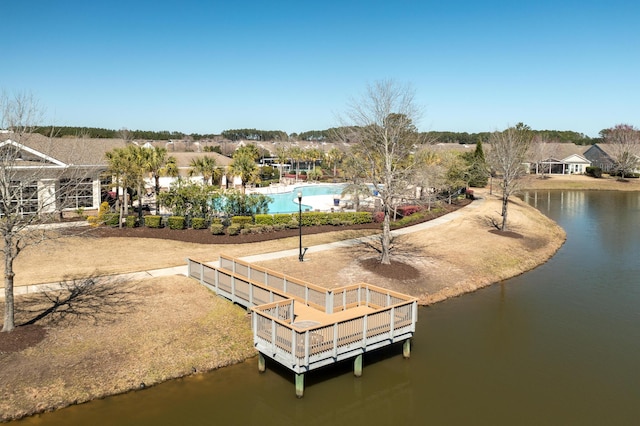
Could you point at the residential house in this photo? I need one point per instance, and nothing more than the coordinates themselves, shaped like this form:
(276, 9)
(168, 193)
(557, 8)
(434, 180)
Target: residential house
(54, 175)
(562, 159)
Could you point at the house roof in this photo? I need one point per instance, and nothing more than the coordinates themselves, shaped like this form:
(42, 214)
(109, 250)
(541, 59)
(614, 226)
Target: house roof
(184, 158)
(89, 151)
(66, 151)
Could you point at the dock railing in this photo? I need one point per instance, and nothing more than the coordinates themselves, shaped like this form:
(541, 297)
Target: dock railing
(306, 345)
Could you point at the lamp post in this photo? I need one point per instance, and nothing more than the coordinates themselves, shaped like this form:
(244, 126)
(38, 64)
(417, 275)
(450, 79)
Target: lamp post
(300, 255)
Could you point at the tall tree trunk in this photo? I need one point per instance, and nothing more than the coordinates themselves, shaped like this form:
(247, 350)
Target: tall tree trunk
(157, 189)
(9, 317)
(505, 200)
(386, 237)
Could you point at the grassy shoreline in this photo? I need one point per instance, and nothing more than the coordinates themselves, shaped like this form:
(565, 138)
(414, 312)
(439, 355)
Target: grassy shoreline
(172, 327)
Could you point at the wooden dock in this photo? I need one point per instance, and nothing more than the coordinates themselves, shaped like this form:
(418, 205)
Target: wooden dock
(304, 326)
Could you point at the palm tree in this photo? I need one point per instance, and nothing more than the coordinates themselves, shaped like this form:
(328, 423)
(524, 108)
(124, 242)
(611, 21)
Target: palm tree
(127, 166)
(281, 154)
(157, 164)
(296, 155)
(334, 156)
(244, 166)
(205, 166)
(314, 154)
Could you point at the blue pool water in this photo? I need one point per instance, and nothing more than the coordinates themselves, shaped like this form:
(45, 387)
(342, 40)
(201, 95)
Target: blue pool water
(287, 202)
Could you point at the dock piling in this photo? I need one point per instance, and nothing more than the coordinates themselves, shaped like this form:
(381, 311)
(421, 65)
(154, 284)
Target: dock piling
(300, 385)
(357, 366)
(406, 349)
(262, 366)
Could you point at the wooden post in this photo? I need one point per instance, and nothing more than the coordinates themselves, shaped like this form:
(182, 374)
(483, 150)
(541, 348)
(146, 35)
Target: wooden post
(406, 348)
(357, 366)
(262, 366)
(299, 385)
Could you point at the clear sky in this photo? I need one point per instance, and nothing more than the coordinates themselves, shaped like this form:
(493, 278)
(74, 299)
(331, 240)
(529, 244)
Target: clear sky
(206, 66)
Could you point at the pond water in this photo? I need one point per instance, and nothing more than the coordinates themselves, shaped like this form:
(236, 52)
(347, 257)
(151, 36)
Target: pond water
(559, 345)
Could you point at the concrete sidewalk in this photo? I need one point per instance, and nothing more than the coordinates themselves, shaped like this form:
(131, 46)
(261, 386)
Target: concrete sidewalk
(182, 270)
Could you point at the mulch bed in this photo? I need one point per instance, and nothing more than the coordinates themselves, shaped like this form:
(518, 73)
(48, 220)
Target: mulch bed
(203, 236)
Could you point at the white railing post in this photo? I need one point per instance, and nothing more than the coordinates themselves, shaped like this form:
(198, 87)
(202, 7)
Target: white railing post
(294, 345)
(335, 340)
(364, 331)
(393, 322)
(306, 348)
(329, 302)
(273, 336)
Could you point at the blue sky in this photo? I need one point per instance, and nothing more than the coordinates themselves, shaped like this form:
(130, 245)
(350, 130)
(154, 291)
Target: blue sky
(207, 66)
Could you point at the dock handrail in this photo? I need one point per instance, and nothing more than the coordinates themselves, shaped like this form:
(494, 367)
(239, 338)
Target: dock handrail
(272, 297)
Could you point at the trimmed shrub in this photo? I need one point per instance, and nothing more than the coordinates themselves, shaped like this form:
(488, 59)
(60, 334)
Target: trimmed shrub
(217, 228)
(593, 171)
(469, 194)
(199, 223)
(93, 221)
(99, 219)
(111, 219)
(264, 219)
(153, 221)
(233, 229)
(131, 221)
(241, 220)
(378, 217)
(362, 217)
(176, 222)
(282, 218)
(409, 210)
(279, 227)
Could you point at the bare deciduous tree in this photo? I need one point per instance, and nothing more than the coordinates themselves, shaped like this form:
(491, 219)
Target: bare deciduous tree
(383, 124)
(33, 189)
(507, 155)
(624, 147)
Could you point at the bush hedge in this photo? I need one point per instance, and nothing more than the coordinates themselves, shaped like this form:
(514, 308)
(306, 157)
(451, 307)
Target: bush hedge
(264, 219)
(153, 221)
(131, 221)
(593, 171)
(198, 223)
(176, 222)
(111, 219)
(217, 228)
(241, 220)
(234, 229)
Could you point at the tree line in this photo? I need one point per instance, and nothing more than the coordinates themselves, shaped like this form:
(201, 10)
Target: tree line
(333, 134)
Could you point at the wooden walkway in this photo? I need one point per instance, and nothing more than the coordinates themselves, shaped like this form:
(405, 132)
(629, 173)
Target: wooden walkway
(303, 326)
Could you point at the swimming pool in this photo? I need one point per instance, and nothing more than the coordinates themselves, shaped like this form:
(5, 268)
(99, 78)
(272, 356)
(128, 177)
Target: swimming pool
(287, 202)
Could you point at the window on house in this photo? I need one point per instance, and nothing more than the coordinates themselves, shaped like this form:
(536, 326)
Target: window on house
(76, 193)
(23, 198)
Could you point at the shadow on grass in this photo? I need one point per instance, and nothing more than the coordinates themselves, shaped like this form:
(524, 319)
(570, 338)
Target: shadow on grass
(93, 298)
